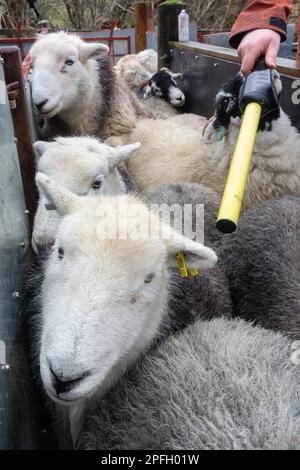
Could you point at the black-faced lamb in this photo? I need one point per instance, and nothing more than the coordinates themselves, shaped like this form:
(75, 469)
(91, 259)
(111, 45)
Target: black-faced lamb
(159, 91)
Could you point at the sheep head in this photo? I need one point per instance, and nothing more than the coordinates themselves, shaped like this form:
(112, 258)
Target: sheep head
(228, 109)
(60, 71)
(84, 166)
(164, 85)
(105, 289)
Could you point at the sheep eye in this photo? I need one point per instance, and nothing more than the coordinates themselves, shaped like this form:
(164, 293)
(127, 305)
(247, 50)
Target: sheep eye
(61, 253)
(97, 184)
(69, 62)
(149, 278)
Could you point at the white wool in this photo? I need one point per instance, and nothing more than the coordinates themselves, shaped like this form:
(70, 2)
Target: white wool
(149, 59)
(172, 151)
(83, 165)
(104, 299)
(66, 85)
(136, 70)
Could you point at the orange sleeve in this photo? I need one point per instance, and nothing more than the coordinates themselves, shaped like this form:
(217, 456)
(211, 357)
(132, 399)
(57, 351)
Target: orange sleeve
(261, 14)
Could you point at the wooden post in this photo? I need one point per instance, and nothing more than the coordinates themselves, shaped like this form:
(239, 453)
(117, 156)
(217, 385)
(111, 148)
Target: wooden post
(167, 29)
(140, 12)
(13, 73)
(150, 16)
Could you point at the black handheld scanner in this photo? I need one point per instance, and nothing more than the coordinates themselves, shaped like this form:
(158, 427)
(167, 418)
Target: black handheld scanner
(259, 88)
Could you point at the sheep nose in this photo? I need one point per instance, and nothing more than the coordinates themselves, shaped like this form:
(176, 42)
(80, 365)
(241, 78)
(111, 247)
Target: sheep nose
(64, 384)
(40, 105)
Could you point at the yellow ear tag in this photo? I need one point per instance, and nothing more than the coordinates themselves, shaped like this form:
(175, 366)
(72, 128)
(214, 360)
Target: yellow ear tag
(182, 265)
(194, 272)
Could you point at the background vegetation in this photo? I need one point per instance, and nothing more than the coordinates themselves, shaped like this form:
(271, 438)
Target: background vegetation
(98, 14)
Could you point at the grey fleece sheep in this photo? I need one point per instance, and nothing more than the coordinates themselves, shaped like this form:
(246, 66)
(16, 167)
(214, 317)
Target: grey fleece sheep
(190, 193)
(262, 262)
(223, 384)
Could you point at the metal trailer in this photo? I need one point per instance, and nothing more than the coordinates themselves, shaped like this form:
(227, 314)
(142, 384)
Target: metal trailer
(205, 68)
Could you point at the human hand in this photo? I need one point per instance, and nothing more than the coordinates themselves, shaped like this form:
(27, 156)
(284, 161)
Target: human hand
(259, 42)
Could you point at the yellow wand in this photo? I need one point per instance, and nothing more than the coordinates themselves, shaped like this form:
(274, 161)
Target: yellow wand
(258, 97)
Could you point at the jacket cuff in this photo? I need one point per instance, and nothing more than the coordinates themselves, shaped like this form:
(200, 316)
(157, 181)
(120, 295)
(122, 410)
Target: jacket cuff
(239, 31)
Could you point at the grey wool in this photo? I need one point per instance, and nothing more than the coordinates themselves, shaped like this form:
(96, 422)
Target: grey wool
(223, 384)
(262, 263)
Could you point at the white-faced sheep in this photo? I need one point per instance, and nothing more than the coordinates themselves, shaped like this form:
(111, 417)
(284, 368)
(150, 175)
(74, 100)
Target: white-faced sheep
(262, 261)
(76, 91)
(83, 165)
(90, 168)
(172, 152)
(117, 292)
(217, 385)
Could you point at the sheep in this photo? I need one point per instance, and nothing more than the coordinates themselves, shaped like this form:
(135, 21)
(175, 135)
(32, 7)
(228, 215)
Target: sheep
(149, 60)
(191, 194)
(172, 152)
(159, 92)
(262, 262)
(137, 66)
(113, 292)
(130, 69)
(76, 91)
(164, 84)
(217, 385)
(85, 166)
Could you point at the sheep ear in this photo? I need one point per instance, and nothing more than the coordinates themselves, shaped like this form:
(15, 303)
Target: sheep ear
(213, 132)
(122, 153)
(92, 51)
(196, 255)
(147, 92)
(40, 147)
(145, 83)
(60, 198)
(177, 76)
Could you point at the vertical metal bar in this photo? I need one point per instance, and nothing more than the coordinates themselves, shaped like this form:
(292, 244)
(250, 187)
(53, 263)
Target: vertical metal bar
(129, 44)
(111, 38)
(19, 34)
